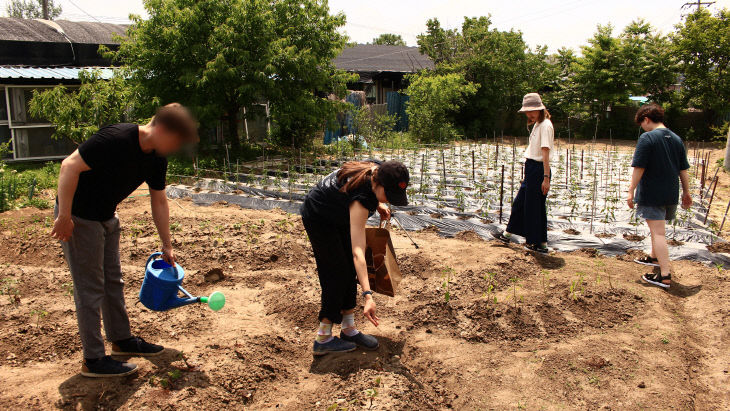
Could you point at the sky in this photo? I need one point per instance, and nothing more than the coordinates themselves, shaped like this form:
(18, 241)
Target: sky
(555, 23)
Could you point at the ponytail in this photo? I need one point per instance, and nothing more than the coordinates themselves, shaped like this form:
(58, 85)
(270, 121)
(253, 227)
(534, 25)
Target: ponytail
(354, 174)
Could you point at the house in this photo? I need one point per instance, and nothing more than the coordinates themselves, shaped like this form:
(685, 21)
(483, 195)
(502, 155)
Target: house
(381, 68)
(37, 54)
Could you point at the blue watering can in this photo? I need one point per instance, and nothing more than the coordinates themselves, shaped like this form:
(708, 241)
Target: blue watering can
(162, 283)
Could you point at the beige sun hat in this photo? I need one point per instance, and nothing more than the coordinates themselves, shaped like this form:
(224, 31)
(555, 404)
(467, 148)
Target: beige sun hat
(531, 102)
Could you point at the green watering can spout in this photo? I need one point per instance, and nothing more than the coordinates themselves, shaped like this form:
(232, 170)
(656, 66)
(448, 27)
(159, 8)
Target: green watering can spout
(216, 301)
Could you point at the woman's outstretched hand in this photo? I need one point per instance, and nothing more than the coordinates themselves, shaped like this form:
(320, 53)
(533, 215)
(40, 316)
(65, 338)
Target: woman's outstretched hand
(369, 310)
(384, 211)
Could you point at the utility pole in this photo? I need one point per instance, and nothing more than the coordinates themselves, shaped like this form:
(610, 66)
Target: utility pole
(45, 10)
(697, 4)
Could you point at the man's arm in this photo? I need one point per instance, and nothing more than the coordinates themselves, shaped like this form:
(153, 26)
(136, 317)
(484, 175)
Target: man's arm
(686, 197)
(635, 178)
(161, 216)
(68, 179)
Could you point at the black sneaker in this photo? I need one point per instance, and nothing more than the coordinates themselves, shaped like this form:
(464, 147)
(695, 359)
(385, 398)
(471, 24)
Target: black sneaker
(647, 260)
(536, 248)
(365, 341)
(658, 279)
(334, 345)
(106, 367)
(136, 346)
(501, 237)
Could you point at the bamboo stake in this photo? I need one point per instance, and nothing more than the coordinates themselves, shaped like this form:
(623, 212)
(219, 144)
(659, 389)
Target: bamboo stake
(473, 164)
(501, 195)
(709, 204)
(725, 216)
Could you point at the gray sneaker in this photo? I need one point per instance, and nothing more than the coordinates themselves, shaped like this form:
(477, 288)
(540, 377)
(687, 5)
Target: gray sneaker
(365, 341)
(335, 345)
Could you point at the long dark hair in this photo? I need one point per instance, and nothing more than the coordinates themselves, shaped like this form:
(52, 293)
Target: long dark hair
(354, 174)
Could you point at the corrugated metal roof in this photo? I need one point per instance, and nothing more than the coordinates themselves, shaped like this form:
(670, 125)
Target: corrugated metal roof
(381, 58)
(57, 73)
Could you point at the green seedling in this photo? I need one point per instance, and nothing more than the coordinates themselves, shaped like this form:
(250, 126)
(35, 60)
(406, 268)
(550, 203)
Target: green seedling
(237, 226)
(576, 286)
(545, 280)
(665, 340)
(175, 227)
(68, 289)
(9, 287)
(39, 314)
(515, 285)
(489, 278)
(719, 267)
(446, 276)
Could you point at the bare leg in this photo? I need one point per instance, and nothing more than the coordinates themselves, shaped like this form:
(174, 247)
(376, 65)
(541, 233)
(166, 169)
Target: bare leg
(659, 245)
(652, 254)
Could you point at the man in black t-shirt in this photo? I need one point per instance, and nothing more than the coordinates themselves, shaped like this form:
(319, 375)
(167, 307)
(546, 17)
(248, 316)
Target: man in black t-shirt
(660, 160)
(94, 179)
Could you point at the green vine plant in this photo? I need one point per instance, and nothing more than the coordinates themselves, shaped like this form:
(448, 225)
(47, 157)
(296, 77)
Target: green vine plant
(515, 285)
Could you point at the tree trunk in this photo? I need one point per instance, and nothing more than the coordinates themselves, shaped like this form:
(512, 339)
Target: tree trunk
(233, 129)
(726, 163)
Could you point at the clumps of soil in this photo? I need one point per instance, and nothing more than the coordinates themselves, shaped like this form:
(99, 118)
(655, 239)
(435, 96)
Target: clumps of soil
(464, 217)
(674, 243)
(468, 236)
(720, 247)
(214, 275)
(437, 215)
(588, 252)
(605, 235)
(486, 221)
(417, 265)
(597, 362)
(634, 237)
(571, 231)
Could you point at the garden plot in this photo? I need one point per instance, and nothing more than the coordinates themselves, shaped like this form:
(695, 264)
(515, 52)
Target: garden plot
(470, 187)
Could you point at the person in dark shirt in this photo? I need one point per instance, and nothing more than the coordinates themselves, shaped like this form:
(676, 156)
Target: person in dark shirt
(334, 214)
(660, 160)
(94, 179)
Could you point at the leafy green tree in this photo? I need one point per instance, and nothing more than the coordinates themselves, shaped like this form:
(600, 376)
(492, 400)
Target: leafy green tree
(434, 98)
(388, 39)
(600, 73)
(438, 43)
(78, 113)
(220, 56)
(702, 47)
(31, 9)
(649, 64)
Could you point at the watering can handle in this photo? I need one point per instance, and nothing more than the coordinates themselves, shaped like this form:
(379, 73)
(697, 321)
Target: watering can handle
(155, 255)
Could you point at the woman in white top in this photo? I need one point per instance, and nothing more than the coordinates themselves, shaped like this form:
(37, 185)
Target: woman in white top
(529, 214)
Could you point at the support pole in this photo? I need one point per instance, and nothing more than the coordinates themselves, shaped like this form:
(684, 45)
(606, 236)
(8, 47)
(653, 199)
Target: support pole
(501, 195)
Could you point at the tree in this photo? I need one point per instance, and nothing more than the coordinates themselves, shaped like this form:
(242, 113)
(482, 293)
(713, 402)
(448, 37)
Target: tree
(500, 62)
(388, 39)
(600, 73)
(701, 45)
(433, 99)
(79, 113)
(32, 9)
(220, 56)
(649, 63)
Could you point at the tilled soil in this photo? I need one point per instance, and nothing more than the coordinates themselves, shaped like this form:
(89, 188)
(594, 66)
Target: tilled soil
(517, 330)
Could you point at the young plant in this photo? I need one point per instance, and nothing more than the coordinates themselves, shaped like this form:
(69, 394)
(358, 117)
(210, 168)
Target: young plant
(446, 276)
(515, 285)
(489, 278)
(545, 280)
(68, 289)
(576, 286)
(9, 287)
(39, 314)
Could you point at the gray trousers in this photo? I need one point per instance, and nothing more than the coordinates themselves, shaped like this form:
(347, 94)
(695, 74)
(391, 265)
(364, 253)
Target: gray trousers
(92, 254)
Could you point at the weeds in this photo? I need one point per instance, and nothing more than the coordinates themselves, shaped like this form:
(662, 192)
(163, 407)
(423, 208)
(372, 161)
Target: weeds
(515, 285)
(68, 289)
(719, 267)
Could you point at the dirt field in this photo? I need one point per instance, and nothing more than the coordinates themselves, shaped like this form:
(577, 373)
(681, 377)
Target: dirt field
(610, 343)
